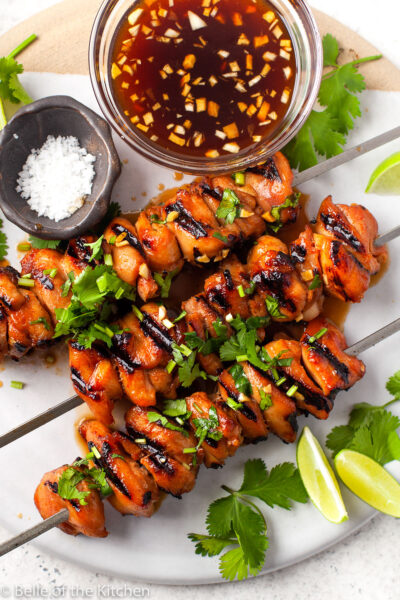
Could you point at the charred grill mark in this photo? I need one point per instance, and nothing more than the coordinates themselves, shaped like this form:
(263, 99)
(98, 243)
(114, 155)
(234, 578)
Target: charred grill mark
(215, 193)
(154, 451)
(338, 227)
(275, 282)
(2, 313)
(106, 462)
(217, 295)
(317, 400)
(187, 221)
(121, 354)
(84, 253)
(158, 334)
(244, 409)
(292, 420)
(75, 504)
(341, 369)
(146, 498)
(130, 237)
(267, 170)
(298, 253)
(20, 347)
(76, 346)
(81, 385)
(53, 485)
(229, 281)
(6, 301)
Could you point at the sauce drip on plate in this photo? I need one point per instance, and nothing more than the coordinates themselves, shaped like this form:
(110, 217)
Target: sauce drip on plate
(207, 77)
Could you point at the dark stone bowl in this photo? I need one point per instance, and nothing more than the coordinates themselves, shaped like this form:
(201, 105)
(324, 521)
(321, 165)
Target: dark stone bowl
(28, 129)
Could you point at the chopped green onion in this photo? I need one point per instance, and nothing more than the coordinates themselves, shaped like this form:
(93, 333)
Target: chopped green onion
(241, 291)
(41, 321)
(291, 391)
(102, 283)
(138, 312)
(108, 260)
(180, 317)
(112, 240)
(171, 366)
(280, 381)
(233, 404)
(25, 282)
(141, 441)
(275, 374)
(239, 178)
(318, 335)
(185, 350)
(109, 332)
(99, 327)
(95, 452)
(119, 293)
(179, 421)
(220, 237)
(18, 385)
(24, 247)
(242, 358)
(189, 450)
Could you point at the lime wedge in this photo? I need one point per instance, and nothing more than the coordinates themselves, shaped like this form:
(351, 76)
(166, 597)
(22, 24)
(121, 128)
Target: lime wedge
(319, 478)
(385, 180)
(369, 481)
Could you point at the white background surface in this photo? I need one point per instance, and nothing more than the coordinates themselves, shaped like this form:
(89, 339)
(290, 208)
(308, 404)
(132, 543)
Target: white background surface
(365, 565)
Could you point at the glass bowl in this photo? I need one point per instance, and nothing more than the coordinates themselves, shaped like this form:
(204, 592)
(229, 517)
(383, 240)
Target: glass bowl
(309, 59)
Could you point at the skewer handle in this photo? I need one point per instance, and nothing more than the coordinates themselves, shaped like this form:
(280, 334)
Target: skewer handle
(39, 420)
(388, 236)
(373, 339)
(34, 532)
(345, 156)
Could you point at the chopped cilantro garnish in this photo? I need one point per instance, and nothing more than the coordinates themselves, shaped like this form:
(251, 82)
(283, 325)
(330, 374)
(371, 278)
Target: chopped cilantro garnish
(165, 282)
(242, 384)
(3, 242)
(220, 237)
(229, 207)
(207, 427)
(316, 282)
(155, 417)
(41, 321)
(96, 248)
(265, 399)
(273, 307)
(78, 472)
(290, 202)
(43, 244)
(156, 219)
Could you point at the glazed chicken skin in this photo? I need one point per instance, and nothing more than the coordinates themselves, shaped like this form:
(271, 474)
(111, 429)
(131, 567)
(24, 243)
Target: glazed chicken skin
(87, 519)
(135, 492)
(24, 323)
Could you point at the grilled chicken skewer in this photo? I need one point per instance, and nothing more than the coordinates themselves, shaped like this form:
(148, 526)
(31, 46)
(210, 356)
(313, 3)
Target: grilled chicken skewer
(142, 353)
(95, 523)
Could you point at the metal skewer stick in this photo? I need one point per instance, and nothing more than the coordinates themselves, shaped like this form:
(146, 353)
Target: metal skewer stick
(28, 535)
(346, 156)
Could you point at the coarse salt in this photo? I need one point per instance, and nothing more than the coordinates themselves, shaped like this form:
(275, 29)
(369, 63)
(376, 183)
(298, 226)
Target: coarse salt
(56, 179)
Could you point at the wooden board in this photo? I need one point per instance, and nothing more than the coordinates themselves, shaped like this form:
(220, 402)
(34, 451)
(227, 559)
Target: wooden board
(67, 25)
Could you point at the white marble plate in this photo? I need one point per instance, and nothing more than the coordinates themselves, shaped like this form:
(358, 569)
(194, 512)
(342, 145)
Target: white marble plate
(157, 550)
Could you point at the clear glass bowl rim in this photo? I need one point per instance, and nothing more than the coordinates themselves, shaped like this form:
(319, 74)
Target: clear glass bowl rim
(226, 163)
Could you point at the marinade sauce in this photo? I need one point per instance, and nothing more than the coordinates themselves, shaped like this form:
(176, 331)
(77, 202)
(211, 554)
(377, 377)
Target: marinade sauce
(203, 77)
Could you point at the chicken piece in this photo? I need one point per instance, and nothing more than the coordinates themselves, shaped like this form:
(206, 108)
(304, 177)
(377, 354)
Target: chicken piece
(135, 491)
(343, 275)
(170, 475)
(305, 255)
(194, 226)
(250, 226)
(249, 414)
(356, 227)
(40, 263)
(215, 450)
(95, 380)
(280, 416)
(272, 183)
(141, 354)
(325, 360)
(129, 260)
(158, 241)
(274, 274)
(3, 334)
(308, 397)
(221, 289)
(200, 318)
(170, 441)
(87, 519)
(25, 324)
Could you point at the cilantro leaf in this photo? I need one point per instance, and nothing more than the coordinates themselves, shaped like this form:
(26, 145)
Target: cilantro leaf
(372, 439)
(3, 242)
(97, 331)
(340, 437)
(42, 244)
(233, 564)
(96, 248)
(324, 132)
(290, 202)
(165, 282)
(67, 486)
(315, 283)
(209, 545)
(220, 515)
(393, 385)
(278, 487)
(229, 207)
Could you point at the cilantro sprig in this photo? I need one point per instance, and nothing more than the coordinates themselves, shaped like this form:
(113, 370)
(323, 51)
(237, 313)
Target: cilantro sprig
(11, 89)
(291, 202)
(235, 523)
(229, 207)
(324, 132)
(371, 430)
(3, 242)
(80, 471)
